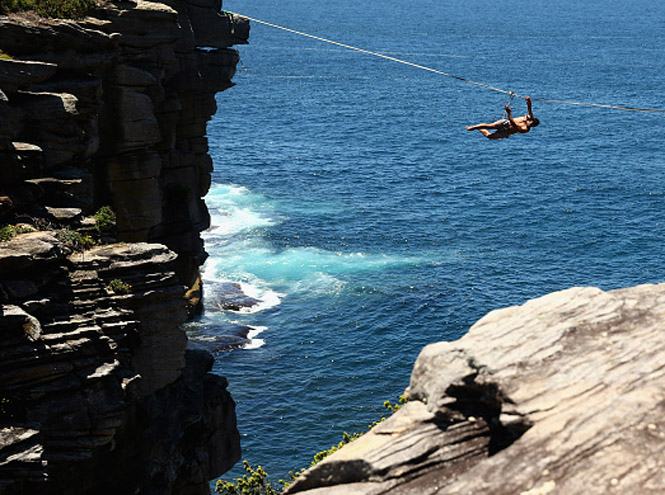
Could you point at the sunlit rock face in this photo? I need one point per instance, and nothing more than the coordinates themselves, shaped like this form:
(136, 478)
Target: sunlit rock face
(97, 384)
(560, 395)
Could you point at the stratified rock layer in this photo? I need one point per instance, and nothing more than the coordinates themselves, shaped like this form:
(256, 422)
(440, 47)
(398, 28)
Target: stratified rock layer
(96, 384)
(112, 110)
(562, 395)
(98, 393)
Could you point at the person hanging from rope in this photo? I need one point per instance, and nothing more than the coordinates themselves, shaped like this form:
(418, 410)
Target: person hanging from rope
(508, 125)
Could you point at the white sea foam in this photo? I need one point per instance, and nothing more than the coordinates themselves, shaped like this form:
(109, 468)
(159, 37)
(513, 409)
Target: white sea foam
(255, 343)
(241, 254)
(319, 283)
(268, 297)
(213, 273)
(202, 337)
(234, 220)
(235, 209)
(268, 274)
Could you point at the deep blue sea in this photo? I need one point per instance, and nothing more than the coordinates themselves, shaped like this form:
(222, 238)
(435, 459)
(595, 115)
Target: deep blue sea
(350, 200)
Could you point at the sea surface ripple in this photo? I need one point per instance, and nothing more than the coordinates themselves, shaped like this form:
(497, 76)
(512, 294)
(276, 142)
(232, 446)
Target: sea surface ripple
(349, 199)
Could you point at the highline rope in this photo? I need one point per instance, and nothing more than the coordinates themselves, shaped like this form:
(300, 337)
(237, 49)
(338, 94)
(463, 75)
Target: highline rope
(447, 74)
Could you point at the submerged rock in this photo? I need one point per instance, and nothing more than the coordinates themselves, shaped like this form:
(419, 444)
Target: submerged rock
(562, 395)
(223, 337)
(230, 297)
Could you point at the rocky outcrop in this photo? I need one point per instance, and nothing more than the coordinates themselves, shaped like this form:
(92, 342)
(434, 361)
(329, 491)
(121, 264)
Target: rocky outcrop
(112, 110)
(98, 392)
(562, 395)
(96, 384)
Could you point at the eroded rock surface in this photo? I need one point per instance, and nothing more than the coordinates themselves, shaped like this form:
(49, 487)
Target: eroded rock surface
(97, 386)
(98, 393)
(112, 110)
(562, 395)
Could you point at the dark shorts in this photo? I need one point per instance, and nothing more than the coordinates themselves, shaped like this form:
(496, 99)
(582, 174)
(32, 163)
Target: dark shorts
(504, 130)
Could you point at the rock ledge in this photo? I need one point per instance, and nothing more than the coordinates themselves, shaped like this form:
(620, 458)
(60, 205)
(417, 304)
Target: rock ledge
(562, 395)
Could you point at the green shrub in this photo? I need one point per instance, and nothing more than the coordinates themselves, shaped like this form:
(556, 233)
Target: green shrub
(74, 240)
(348, 438)
(7, 232)
(62, 9)
(255, 482)
(5, 55)
(104, 219)
(119, 287)
(393, 408)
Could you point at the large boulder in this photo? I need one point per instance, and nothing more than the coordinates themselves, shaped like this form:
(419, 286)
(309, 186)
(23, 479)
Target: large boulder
(562, 395)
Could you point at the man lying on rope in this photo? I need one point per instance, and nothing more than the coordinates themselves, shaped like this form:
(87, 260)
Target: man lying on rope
(505, 127)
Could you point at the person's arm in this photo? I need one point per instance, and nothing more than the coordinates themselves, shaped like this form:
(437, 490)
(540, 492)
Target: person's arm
(509, 113)
(528, 106)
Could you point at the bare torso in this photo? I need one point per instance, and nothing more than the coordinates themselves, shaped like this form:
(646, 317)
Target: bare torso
(519, 125)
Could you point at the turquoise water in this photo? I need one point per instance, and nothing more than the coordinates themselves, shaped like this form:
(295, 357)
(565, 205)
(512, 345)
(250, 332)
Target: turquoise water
(349, 199)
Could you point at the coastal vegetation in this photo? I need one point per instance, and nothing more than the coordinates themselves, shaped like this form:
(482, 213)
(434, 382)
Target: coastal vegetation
(119, 287)
(74, 240)
(104, 219)
(61, 9)
(256, 481)
(8, 232)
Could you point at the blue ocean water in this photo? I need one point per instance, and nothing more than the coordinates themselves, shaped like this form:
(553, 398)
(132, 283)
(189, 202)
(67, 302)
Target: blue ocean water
(350, 200)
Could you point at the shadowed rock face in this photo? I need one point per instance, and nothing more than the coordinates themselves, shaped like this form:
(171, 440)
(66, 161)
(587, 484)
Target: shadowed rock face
(112, 110)
(562, 395)
(98, 393)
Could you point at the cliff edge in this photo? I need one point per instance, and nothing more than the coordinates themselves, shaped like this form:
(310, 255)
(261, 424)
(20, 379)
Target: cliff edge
(562, 395)
(112, 110)
(98, 391)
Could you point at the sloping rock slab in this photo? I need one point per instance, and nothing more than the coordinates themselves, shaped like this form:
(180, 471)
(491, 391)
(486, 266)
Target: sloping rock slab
(26, 250)
(20, 74)
(562, 395)
(121, 256)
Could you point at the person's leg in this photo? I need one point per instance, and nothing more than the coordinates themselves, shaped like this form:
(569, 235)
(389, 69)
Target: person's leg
(494, 125)
(494, 135)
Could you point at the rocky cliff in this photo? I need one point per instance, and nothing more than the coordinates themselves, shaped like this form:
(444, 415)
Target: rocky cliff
(112, 110)
(562, 395)
(98, 392)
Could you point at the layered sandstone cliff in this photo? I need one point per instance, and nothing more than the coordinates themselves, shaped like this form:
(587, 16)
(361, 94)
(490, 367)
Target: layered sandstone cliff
(112, 110)
(98, 392)
(562, 395)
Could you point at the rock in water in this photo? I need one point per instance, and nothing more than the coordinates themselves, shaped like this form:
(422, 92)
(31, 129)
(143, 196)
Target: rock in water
(230, 297)
(223, 337)
(562, 395)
